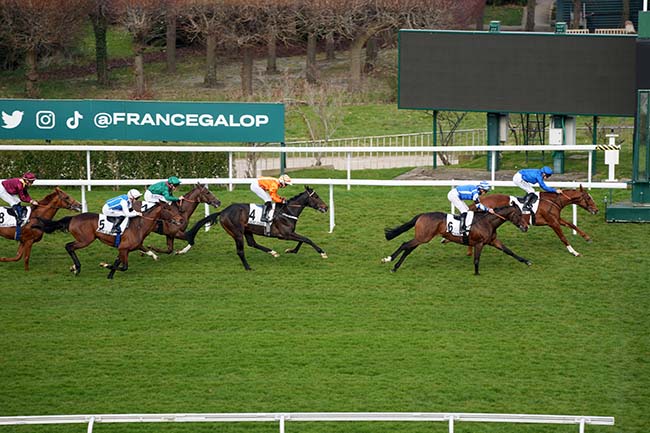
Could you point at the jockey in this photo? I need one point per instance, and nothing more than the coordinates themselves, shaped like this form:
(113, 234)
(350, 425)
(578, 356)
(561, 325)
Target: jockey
(14, 190)
(526, 178)
(267, 188)
(163, 191)
(468, 192)
(121, 207)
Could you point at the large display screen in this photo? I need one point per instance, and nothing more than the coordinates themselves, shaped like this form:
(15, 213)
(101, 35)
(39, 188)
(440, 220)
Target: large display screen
(518, 72)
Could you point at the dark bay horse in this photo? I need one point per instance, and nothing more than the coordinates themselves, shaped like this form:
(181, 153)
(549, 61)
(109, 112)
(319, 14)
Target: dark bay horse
(483, 231)
(83, 228)
(199, 194)
(550, 209)
(47, 207)
(234, 220)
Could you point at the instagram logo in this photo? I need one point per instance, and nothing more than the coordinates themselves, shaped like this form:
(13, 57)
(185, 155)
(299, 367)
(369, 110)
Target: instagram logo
(45, 119)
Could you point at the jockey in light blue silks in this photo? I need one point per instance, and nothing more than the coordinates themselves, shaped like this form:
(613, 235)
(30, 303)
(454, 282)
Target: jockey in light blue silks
(121, 207)
(526, 178)
(468, 192)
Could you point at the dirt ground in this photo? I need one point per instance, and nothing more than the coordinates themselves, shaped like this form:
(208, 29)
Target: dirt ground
(450, 172)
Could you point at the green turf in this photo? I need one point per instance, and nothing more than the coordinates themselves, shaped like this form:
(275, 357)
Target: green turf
(197, 333)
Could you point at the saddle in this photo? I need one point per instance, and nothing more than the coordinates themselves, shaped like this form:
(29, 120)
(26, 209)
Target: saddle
(8, 216)
(259, 215)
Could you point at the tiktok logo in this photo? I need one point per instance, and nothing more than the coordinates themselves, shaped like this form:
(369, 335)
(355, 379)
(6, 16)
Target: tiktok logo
(73, 122)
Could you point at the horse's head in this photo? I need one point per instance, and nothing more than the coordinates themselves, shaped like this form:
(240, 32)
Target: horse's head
(61, 200)
(586, 202)
(314, 201)
(513, 214)
(201, 194)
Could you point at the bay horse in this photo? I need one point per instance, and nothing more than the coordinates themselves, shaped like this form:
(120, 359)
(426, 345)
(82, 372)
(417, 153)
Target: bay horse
(549, 210)
(234, 220)
(83, 228)
(185, 208)
(46, 208)
(483, 231)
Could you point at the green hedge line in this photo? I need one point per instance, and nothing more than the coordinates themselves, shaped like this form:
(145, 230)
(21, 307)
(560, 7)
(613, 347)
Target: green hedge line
(113, 165)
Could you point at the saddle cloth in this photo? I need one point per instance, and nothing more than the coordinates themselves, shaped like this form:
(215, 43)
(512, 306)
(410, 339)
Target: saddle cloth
(519, 201)
(105, 224)
(146, 205)
(453, 223)
(8, 217)
(255, 214)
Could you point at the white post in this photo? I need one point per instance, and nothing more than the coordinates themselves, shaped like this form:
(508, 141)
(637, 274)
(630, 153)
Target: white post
(611, 157)
(451, 424)
(84, 205)
(589, 173)
(88, 167)
(90, 424)
(575, 217)
(281, 423)
(349, 163)
(494, 165)
(230, 170)
(582, 425)
(332, 223)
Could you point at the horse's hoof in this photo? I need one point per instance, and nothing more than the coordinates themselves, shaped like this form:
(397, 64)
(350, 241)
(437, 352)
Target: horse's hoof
(589, 240)
(289, 251)
(387, 260)
(103, 265)
(323, 255)
(529, 263)
(392, 271)
(274, 253)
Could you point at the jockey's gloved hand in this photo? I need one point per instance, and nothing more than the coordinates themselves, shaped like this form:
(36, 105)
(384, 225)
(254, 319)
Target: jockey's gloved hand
(34, 202)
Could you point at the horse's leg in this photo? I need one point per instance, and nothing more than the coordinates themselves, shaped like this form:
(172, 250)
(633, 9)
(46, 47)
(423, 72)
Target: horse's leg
(584, 235)
(239, 244)
(405, 249)
(17, 257)
(168, 250)
(295, 249)
(250, 240)
(70, 247)
(27, 252)
(477, 256)
(558, 231)
(496, 243)
(302, 239)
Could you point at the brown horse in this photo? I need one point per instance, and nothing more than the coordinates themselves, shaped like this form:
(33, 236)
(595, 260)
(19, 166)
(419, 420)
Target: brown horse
(550, 209)
(234, 220)
(84, 229)
(185, 208)
(483, 231)
(47, 207)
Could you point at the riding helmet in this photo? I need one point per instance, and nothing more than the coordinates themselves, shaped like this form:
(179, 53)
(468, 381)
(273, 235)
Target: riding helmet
(134, 194)
(285, 179)
(484, 186)
(547, 170)
(173, 180)
(29, 176)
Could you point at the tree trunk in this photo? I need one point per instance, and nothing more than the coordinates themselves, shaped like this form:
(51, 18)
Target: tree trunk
(626, 12)
(31, 73)
(577, 11)
(330, 47)
(356, 49)
(312, 67)
(170, 38)
(138, 64)
(211, 61)
(530, 15)
(372, 52)
(479, 20)
(247, 71)
(272, 57)
(100, 26)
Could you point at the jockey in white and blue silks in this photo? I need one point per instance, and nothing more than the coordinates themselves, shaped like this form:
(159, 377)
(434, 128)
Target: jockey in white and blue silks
(121, 206)
(526, 178)
(469, 192)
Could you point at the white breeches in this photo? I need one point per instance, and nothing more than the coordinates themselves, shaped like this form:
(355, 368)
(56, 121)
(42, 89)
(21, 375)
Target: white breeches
(528, 187)
(9, 198)
(257, 189)
(456, 201)
(154, 198)
(112, 212)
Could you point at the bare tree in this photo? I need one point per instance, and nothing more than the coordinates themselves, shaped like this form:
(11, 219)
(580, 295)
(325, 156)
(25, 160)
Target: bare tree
(577, 14)
(35, 26)
(171, 14)
(139, 17)
(530, 15)
(100, 14)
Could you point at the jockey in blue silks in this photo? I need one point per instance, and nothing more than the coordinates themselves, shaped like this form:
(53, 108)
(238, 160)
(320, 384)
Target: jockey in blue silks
(526, 178)
(468, 192)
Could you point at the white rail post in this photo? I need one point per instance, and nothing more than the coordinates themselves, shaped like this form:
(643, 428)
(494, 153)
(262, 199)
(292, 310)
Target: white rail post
(88, 167)
(230, 170)
(90, 424)
(575, 217)
(582, 425)
(332, 223)
(84, 205)
(349, 163)
(451, 424)
(281, 423)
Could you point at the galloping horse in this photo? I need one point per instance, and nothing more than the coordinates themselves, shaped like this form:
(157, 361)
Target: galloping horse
(46, 209)
(482, 232)
(84, 229)
(550, 209)
(185, 209)
(234, 220)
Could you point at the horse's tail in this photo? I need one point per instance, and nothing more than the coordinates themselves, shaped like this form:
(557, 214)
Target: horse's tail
(50, 226)
(191, 233)
(394, 232)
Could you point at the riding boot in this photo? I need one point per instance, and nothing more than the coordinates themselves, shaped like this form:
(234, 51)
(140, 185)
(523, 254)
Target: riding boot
(18, 210)
(265, 212)
(528, 202)
(463, 229)
(116, 226)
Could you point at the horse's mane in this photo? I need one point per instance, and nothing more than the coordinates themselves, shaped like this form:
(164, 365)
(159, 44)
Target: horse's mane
(48, 198)
(295, 197)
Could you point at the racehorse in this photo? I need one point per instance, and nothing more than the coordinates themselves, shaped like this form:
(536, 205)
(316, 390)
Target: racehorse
(483, 231)
(185, 209)
(47, 207)
(549, 210)
(234, 220)
(84, 229)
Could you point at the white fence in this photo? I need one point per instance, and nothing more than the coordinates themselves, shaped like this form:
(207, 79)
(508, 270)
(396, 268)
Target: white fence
(231, 180)
(282, 418)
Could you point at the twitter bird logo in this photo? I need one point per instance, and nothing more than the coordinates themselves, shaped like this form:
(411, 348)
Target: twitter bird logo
(12, 120)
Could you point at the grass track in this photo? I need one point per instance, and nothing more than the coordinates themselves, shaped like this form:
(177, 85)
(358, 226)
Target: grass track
(197, 333)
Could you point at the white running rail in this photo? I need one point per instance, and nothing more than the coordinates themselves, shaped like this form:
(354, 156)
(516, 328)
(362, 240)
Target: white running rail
(282, 418)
